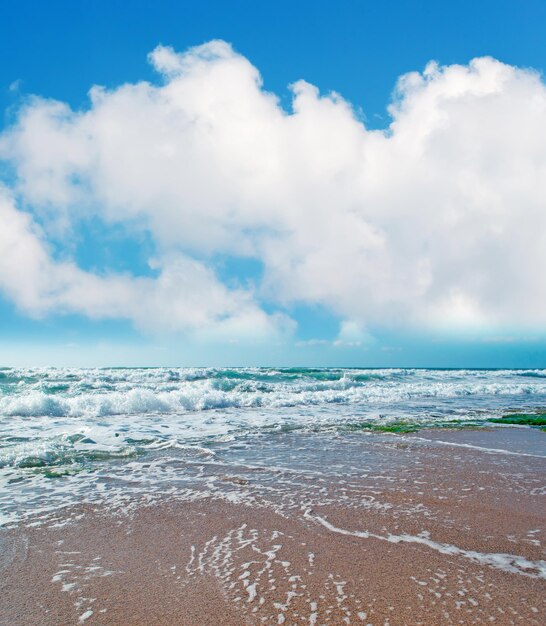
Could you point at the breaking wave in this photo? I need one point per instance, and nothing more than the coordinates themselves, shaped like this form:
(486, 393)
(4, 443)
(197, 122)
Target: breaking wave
(99, 393)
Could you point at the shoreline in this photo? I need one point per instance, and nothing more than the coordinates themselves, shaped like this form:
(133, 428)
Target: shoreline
(434, 527)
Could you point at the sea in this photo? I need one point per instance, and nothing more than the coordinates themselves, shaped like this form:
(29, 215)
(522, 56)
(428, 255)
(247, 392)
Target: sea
(125, 435)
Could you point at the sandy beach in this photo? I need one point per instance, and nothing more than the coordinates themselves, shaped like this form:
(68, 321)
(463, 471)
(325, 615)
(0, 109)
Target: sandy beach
(436, 527)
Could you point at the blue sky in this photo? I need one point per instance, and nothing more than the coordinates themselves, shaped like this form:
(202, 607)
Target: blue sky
(273, 299)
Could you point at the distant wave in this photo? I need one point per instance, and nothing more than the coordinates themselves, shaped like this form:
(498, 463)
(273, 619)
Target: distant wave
(532, 373)
(99, 393)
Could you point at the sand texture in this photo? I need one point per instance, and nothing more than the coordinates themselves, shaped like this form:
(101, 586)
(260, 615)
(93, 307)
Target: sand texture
(433, 528)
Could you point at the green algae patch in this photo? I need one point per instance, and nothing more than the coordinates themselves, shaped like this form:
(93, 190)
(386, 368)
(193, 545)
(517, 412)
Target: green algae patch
(521, 419)
(402, 427)
(536, 420)
(59, 472)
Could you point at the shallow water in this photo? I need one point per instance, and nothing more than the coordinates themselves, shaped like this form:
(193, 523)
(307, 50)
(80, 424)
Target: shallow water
(67, 434)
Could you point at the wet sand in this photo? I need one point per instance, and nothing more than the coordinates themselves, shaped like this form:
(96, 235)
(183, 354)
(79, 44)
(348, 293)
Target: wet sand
(439, 527)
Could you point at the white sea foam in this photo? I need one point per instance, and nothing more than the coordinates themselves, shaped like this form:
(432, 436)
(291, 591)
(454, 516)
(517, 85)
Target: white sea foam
(85, 616)
(67, 423)
(122, 409)
(98, 393)
(508, 562)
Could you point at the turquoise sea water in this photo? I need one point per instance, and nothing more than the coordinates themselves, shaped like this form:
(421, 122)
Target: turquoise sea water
(65, 431)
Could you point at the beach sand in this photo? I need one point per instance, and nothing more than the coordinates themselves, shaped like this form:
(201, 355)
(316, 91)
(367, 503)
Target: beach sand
(437, 527)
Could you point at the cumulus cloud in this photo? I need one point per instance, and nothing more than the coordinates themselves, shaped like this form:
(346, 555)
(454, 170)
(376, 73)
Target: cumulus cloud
(437, 221)
(185, 295)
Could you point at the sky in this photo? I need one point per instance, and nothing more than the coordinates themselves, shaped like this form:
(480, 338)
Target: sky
(241, 183)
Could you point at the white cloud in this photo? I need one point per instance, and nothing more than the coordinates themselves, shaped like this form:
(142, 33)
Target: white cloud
(353, 334)
(185, 295)
(439, 221)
